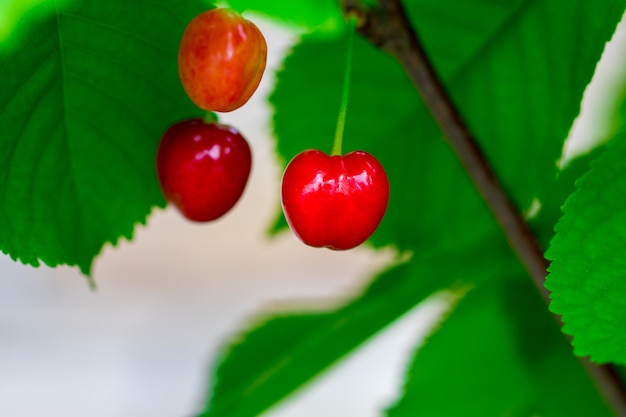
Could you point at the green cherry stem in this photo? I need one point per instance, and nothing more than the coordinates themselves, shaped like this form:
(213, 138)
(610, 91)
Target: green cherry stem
(210, 118)
(343, 108)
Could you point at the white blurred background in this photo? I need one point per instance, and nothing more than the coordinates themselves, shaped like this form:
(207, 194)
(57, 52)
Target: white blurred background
(143, 343)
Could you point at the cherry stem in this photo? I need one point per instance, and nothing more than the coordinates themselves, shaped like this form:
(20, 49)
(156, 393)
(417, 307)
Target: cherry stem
(388, 27)
(210, 118)
(343, 107)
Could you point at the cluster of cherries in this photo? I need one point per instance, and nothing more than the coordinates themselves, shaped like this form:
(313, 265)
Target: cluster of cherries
(329, 201)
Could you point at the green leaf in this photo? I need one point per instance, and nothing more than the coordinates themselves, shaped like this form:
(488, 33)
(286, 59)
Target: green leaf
(279, 356)
(85, 96)
(508, 67)
(323, 17)
(14, 12)
(555, 194)
(517, 91)
(587, 271)
(498, 354)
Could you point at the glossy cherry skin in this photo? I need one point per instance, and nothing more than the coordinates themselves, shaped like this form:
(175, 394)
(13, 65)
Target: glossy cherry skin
(203, 168)
(221, 60)
(334, 201)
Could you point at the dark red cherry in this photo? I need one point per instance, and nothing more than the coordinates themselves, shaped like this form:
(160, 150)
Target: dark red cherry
(203, 168)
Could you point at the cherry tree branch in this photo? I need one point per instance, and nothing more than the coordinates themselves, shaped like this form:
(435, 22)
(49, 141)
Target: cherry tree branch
(387, 26)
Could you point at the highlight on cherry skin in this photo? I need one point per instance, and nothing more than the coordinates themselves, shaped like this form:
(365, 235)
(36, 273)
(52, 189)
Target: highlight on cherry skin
(221, 60)
(203, 168)
(335, 202)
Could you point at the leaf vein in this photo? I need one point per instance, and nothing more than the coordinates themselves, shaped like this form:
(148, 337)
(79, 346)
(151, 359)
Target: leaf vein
(123, 66)
(113, 99)
(124, 152)
(112, 28)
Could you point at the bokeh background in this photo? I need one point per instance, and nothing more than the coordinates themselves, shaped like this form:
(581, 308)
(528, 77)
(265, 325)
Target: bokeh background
(143, 343)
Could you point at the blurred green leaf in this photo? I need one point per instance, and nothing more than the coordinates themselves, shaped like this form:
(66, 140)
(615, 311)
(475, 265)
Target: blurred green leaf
(85, 95)
(517, 70)
(587, 271)
(322, 17)
(14, 12)
(280, 355)
(614, 107)
(498, 354)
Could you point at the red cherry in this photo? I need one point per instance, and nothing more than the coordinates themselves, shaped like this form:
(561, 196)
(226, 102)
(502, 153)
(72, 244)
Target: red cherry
(334, 201)
(203, 168)
(221, 60)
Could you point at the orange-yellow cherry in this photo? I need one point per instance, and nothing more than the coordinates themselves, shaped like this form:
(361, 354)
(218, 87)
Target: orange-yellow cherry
(221, 60)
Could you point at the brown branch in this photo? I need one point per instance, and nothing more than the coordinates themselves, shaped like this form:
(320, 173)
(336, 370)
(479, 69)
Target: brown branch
(388, 27)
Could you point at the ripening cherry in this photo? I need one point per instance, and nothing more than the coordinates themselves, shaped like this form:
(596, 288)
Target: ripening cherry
(221, 60)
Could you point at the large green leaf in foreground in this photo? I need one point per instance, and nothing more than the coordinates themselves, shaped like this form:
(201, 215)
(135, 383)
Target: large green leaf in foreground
(85, 94)
(588, 271)
(498, 354)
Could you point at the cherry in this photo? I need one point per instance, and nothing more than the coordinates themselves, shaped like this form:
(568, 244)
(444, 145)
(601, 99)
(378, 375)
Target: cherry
(203, 168)
(334, 201)
(221, 60)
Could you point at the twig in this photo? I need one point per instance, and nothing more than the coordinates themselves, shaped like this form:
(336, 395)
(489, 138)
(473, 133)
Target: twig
(388, 27)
